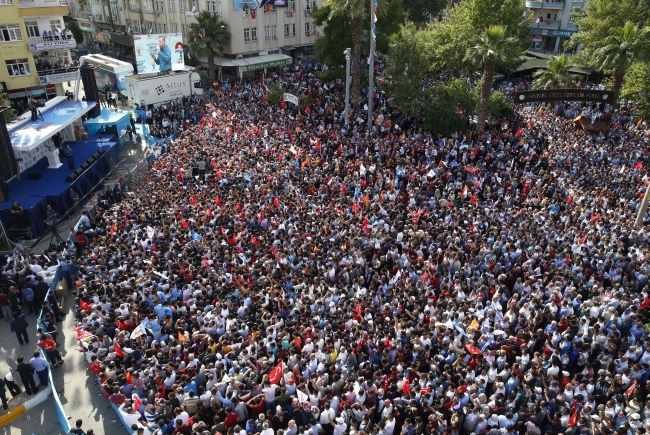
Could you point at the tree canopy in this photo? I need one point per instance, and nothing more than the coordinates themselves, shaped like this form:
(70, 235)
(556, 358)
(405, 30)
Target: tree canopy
(207, 37)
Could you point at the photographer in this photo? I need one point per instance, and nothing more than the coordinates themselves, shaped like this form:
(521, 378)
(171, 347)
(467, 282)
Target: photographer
(33, 107)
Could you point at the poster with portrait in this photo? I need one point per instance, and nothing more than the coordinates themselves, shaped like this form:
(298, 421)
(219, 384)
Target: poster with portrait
(159, 53)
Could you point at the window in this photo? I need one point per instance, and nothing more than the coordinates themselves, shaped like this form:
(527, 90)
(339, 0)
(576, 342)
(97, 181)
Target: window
(184, 28)
(307, 28)
(18, 67)
(181, 3)
(55, 24)
(61, 56)
(254, 33)
(137, 27)
(173, 27)
(6, 2)
(10, 32)
(213, 6)
(269, 9)
(171, 5)
(292, 5)
(293, 29)
(32, 28)
(162, 28)
(274, 31)
(287, 32)
(247, 34)
(267, 32)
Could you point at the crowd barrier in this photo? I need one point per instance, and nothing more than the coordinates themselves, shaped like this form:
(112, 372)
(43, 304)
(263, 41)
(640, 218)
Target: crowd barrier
(60, 412)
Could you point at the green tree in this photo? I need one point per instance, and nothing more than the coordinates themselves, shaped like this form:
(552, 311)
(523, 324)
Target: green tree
(408, 62)
(489, 48)
(636, 88)
(77, 33)
(555, 75)
(449, 39)
(208, 37)
(353, 12)
(419, 11)
(4, 102)
(335, 38)
(274, 95)
(625, 46)
(450, 105)
(595, 22)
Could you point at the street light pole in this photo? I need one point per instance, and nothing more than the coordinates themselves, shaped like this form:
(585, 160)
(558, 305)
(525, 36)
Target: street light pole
(221, 57)
(347, 85)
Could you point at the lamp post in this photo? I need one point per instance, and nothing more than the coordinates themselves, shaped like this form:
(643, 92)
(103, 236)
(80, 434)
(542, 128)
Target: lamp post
(221, 57)
(347, 85)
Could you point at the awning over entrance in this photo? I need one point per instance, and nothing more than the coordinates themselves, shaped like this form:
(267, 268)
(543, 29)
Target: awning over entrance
(255, 63)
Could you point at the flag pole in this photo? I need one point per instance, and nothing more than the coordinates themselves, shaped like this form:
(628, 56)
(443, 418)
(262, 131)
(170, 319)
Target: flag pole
(644, 206)
(371, 61)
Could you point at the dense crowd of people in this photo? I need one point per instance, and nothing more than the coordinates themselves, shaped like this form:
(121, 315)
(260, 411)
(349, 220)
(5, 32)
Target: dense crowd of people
(274, 271)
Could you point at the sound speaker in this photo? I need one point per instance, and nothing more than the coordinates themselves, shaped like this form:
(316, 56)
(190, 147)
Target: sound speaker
(34, 176)
(74, 175)
(91, 160)
(8, 165)
(90, 88)
(85, 166)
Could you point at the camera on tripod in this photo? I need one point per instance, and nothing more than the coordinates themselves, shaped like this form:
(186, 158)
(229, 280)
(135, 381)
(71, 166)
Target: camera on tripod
(39, 103)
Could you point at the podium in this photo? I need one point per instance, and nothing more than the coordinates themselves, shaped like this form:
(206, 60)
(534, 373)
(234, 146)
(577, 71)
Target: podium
(53, 159)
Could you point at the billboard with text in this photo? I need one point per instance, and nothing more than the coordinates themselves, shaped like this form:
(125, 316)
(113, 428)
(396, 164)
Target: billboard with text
(159, 53)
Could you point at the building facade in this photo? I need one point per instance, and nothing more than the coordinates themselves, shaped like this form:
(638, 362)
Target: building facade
(28, 57)
(267, 37)
(551, 23)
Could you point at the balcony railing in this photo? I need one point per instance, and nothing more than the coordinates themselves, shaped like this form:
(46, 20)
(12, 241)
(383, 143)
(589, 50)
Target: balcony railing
(547, 24)
(38, 39)
(558, 4)
(42, 3)
(51, 71)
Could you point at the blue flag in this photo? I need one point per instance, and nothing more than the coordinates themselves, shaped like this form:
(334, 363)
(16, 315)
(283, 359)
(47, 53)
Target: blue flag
(196, 236)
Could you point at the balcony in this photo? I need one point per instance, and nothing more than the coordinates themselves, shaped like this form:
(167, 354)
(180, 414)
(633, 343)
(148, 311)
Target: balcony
(547, 24)
(554, 5)
(34, 8)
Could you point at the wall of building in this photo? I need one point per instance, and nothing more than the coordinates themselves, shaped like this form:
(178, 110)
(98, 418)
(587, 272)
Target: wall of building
(9, 51)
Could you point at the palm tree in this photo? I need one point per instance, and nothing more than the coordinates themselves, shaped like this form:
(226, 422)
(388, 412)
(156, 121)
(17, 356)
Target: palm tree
(492, 47)
(555, 75)
(207, 37)
(625, 46)
(353, 11)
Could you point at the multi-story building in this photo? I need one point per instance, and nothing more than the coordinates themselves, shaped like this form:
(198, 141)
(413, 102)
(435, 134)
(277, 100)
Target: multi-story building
(551, 23)
(262, 38)
(28, 56)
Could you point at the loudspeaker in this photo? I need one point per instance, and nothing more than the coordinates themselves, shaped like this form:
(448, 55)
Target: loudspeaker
(74, 175)
(91, 160)
(34, 176)
(90, 88)
(85, 166)
(8, 165)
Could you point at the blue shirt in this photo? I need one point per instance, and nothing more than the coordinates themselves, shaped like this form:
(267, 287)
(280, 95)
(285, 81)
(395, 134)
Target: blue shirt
(164, 59)
(38, 364)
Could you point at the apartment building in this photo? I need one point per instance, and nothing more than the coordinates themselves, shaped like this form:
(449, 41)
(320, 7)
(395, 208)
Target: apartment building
(34, 63)
(551, 23)
(262, 38)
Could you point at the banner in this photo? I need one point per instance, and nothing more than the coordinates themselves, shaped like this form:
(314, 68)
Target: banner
(53, 45)
(58, 78)
(159, 53)
(256, 4)
(290, 98)
(563, 95)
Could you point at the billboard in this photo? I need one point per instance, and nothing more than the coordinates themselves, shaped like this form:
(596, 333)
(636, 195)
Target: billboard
(58, 78)
(114, 80)
(563, 95)
(159, 53)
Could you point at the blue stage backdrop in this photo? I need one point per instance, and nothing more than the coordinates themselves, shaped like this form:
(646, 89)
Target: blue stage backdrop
(34, 195)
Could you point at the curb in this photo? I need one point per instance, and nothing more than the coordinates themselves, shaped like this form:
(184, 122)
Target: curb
(24, 407)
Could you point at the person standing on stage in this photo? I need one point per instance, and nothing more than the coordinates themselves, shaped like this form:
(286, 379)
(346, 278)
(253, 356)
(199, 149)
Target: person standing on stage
(74, 197)
(19, 214)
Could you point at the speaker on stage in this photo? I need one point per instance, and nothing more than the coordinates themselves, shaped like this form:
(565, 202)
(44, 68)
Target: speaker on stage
(8, 165)
(90, 88)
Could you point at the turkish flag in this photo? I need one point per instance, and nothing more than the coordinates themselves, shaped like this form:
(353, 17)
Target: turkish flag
(473, 199)
(573, 420)
(276, 374)
(645, 303)
(217, 201)
(118, 350)
(193, 200)
(276, 202)
(137, 403)
(254, 241)
(209, 212)
(85, 306)
(631, 389)
(407, 387)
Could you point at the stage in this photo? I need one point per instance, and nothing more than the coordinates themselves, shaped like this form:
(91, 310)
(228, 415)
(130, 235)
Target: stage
(51, 188)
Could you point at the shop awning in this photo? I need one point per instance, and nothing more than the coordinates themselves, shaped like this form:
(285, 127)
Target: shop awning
(254, 63)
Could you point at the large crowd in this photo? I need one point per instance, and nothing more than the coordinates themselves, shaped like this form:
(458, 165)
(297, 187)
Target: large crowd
(274, 271)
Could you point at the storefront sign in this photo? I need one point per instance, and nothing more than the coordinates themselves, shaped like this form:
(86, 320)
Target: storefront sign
(563, 95)
(262, 65)
(58, 78)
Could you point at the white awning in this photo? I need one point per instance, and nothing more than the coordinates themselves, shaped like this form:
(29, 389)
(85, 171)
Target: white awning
(254, 63)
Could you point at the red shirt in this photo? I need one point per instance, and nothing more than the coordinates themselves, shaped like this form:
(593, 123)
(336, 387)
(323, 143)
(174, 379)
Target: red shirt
(95, 368)
(4, 300)
(185, 430)
(48, 345)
